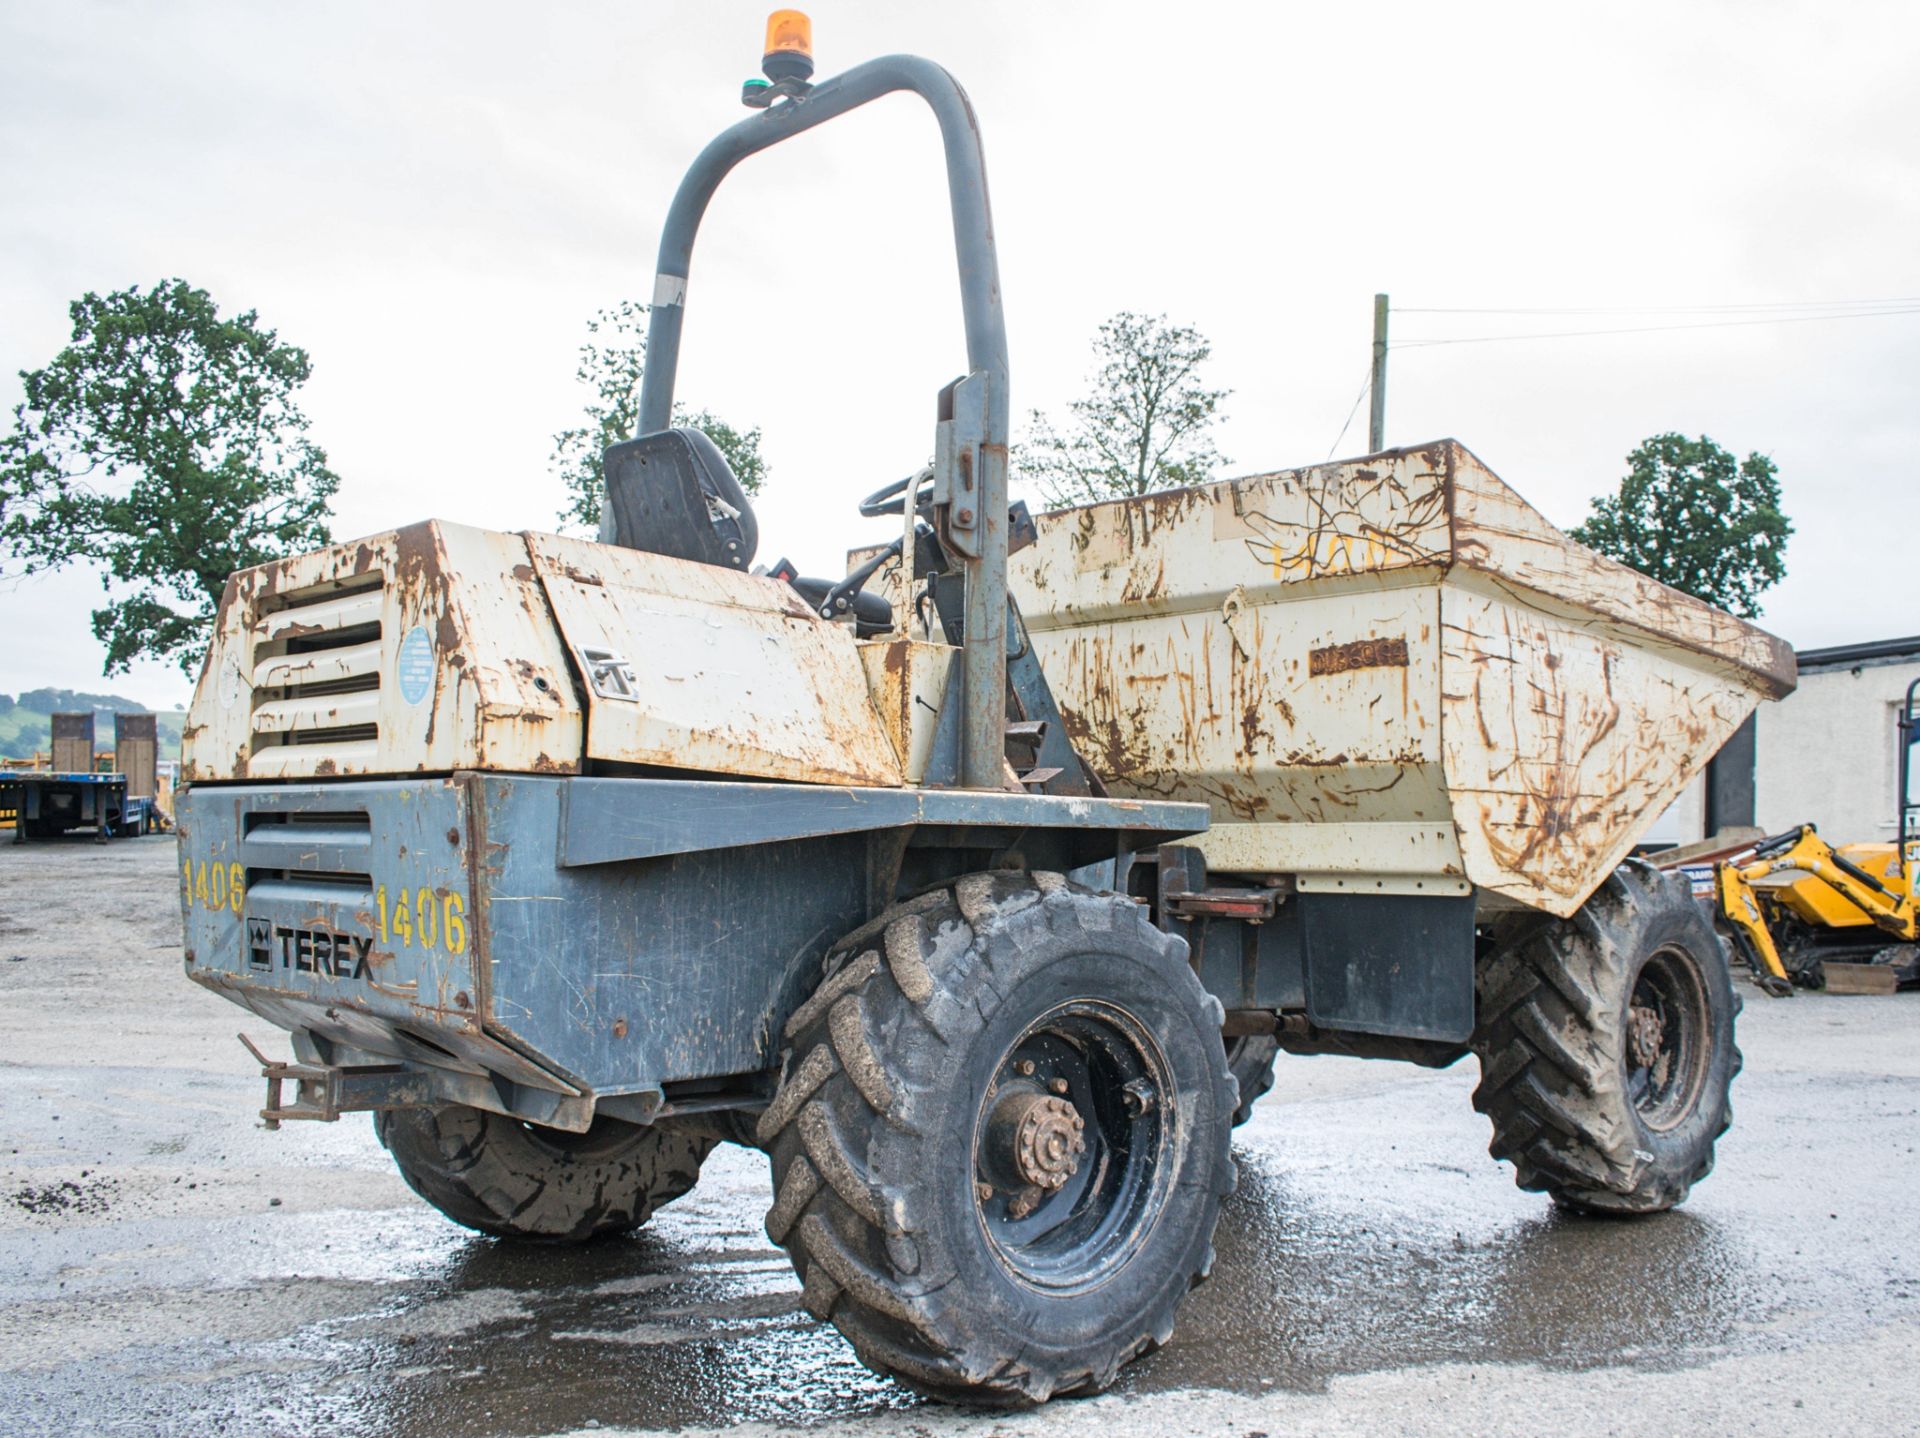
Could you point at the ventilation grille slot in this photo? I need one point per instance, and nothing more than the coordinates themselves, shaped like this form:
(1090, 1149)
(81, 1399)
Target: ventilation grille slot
(316, 677)
(316, 856)
(300, 887)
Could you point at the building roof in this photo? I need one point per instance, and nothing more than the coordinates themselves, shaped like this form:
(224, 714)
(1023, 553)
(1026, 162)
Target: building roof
(1851, 656)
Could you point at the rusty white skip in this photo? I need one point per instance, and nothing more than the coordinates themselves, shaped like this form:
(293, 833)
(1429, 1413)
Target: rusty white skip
(1390, 674)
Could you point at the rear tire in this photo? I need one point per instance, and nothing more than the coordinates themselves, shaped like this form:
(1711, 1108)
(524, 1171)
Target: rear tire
(1001, 1139)
(514, 1180)
(1250, 1060)
(1606, 1048)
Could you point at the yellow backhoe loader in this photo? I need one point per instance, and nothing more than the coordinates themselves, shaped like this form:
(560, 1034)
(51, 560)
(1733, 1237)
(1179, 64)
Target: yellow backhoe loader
(1795, 903)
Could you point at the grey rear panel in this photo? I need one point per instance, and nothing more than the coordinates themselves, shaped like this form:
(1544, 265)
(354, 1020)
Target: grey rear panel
(558, 937)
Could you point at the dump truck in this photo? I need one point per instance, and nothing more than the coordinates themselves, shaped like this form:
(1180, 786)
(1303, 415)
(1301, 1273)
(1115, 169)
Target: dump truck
(983, 910)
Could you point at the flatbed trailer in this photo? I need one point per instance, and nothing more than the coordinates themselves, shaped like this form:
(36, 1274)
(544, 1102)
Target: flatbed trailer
(45, 805)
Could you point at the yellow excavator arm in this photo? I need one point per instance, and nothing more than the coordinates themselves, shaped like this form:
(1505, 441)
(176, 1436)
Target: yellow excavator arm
(1802, 850)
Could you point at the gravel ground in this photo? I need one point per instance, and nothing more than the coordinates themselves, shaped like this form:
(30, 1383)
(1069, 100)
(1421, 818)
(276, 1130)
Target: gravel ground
(167, 1266)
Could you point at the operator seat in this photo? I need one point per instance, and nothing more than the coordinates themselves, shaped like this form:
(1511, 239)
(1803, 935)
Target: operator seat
(674, 493)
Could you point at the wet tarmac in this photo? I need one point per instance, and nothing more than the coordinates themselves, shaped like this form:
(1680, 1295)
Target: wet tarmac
(167, 1266)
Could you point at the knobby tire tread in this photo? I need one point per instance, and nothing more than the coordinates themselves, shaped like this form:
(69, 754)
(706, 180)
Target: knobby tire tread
(489, 1173)
(855, 1251)
(1550, 1037)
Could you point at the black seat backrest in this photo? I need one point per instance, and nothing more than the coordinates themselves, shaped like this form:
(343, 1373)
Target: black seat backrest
(674, 493)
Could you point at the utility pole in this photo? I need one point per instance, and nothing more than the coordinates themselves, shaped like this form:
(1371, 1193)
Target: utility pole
(1377, 419)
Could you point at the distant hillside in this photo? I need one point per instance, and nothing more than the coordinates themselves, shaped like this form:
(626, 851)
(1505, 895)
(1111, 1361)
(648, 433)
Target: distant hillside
(26, 720)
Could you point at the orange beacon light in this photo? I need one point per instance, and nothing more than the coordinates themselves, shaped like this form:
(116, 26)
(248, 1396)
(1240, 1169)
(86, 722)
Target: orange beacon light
(789, 53)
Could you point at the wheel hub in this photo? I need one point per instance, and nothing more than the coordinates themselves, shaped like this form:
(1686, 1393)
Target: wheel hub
(1646, 1035)
(1043, 1138)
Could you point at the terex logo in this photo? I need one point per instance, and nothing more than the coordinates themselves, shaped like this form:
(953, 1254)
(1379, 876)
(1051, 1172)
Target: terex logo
(307, 951)
(259, 944)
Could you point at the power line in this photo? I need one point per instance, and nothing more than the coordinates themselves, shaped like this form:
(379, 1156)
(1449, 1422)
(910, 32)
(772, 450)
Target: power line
(1658, 309)
(1365, 385)
(1912, 309)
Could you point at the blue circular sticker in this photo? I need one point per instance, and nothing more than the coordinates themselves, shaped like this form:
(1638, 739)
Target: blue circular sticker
(415, 666)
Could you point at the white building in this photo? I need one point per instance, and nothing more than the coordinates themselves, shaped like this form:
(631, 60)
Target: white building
(1829, 753)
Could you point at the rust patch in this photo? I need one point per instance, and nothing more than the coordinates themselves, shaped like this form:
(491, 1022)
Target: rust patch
(1358, 654)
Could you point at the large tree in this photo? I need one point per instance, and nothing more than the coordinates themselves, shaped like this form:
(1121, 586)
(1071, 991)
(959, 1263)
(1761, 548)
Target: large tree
(1143, 425)
(612, 363)
(1691, 517)
(165, 445)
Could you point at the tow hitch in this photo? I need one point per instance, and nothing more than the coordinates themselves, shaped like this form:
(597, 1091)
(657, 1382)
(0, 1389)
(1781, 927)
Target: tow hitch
(325, 1091)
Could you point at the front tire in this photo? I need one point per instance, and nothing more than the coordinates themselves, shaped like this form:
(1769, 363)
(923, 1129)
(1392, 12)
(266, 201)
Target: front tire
(1001, 1139)
(514, 1180)
(1606, 1048)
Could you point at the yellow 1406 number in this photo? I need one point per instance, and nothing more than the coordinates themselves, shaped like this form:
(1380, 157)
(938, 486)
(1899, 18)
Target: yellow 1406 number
(422, 919)
(214, 886)
(417, 918)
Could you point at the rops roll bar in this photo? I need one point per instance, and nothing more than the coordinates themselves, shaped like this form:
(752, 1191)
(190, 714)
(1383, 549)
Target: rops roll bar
(971, 487)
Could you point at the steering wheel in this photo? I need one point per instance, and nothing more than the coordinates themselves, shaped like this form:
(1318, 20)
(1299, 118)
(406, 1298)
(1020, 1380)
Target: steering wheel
(891, 499)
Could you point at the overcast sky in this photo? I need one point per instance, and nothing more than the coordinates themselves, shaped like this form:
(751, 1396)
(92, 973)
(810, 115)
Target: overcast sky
(432, 199)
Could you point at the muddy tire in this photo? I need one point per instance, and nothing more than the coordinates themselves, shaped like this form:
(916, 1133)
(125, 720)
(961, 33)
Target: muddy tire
(514, 1180)
(1606, 1048)
(1001, 1139)
(1250, 1059)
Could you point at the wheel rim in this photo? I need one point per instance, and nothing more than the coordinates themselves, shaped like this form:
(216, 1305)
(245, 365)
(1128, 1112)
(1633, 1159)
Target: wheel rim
(1069, 1146)
(1667, 1039)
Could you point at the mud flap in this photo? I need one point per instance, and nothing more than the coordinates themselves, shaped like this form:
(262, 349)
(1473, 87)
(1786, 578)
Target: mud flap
(1393, 964)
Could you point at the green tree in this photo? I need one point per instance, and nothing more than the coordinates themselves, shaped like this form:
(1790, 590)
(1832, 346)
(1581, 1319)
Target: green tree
(612, 363)
(165, 445)
(1142, 426)
(1687, 515)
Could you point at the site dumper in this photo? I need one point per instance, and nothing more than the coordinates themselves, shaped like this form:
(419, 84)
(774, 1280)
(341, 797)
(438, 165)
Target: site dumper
(569, 860)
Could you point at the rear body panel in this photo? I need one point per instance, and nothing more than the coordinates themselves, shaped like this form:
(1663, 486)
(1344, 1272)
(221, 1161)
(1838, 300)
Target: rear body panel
(352, 911)
(547, 945)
